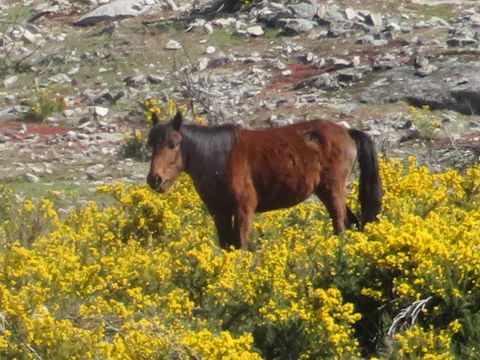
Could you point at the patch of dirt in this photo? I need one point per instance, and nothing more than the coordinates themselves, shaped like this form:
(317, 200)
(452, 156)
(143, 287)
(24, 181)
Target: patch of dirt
(43, 131)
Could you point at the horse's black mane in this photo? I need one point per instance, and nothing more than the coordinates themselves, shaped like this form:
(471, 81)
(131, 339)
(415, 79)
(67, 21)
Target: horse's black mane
(205, 149)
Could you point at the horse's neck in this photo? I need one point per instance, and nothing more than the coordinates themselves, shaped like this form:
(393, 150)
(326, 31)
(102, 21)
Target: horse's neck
(205, 151)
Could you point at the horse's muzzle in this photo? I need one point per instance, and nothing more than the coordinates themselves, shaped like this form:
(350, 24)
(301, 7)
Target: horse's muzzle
(156, 183)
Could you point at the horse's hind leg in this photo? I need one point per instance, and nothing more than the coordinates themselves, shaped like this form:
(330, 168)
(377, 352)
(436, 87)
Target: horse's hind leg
(351, 219)
(334, 200)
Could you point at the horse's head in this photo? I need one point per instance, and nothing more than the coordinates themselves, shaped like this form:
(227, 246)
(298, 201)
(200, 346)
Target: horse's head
(167, 161)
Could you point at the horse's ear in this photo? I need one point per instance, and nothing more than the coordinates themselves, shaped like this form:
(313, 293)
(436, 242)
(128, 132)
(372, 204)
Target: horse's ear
(177, 121)
(155, 118)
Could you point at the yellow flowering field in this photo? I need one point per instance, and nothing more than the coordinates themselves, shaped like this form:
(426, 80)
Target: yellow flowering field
(145, 279)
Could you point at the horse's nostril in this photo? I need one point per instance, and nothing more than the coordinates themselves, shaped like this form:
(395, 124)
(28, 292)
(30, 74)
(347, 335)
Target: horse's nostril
(154, 181)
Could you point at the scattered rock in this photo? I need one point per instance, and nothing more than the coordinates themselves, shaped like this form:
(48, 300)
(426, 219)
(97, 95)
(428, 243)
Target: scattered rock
(100, 111)
(173, 45)
(93, 172)
(304, 10)
(296, 26)
(210, 50)
(155, 79)
(373, 19)
(135, 80)
(324, 81)
(446, 87)
(255, 30)
(114, 10)
(10, 81)
(31, 178)
(350, 14)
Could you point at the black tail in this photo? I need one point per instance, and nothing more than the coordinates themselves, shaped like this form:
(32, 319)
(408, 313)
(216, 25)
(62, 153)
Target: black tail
(370, 187)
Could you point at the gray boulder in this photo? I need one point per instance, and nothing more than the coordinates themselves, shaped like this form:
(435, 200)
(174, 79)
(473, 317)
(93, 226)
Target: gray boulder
(115, 10)
(452, 84)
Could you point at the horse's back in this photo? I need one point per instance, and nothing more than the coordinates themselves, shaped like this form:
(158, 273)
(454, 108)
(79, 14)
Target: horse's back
(286, 164)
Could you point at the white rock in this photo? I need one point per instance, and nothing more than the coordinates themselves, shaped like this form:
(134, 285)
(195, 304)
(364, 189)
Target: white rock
(350, 13)
(211, 50)
(93, 171)
(32, 178)
(71, 135)
(202, 64)
(11, 80)
(255, 30)
(60, 78)
(173, 45)
(356, 61)
(100, 111)
(224, 22)
(28, 37)
(115, 9)
(373, 19)
(208, 28)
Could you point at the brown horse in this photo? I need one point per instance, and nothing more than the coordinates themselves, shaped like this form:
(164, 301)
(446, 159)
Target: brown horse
(238, 172)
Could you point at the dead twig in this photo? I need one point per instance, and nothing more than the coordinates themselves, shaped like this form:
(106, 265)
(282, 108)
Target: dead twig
(407, 317)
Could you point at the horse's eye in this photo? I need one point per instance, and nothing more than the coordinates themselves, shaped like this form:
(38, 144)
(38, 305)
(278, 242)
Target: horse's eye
(171, 144)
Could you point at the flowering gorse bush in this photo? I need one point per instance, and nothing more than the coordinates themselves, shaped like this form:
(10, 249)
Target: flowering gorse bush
(144, 278)
(425, 122)
(43, 104)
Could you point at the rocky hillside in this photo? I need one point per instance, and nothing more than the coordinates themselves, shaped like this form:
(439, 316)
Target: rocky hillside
(74, 73)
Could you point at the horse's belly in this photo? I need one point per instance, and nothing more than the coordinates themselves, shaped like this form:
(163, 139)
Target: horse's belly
(277, 195)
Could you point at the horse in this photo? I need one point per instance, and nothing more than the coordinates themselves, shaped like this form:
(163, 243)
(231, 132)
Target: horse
(238, 171)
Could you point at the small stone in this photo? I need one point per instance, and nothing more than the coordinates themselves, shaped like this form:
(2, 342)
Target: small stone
(211, 50)
(22, 128)
(11, 80)
(93, 171)
(426, 70)
(28, 37)
(155, 79)
(135, 80)
(392, 26)
(202, 64)
(71, 135)
(365, 39)
(373, 19)
(100, 111)
(298, 26)
(350, 13)
(304, 10)
(341, 63)
(208, 28)
(173, 45)
(31, 178)
(255, 30)
(68, 112)
(60, 78)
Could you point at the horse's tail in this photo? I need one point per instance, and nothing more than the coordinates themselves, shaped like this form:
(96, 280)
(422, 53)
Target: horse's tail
(370, 187)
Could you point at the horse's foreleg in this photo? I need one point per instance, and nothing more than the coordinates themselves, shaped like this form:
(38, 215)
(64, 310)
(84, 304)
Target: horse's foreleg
(242, 225)
(224, 225)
